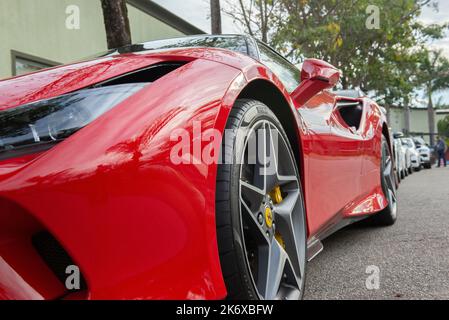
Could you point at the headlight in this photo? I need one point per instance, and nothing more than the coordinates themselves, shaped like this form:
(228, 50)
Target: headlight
(39, 125)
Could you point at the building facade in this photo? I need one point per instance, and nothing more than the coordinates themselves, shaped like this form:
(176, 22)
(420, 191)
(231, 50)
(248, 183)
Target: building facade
(36, 34)
(419, 123)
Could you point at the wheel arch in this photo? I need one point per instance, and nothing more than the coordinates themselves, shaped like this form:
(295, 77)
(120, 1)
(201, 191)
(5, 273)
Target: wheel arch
(267, 93)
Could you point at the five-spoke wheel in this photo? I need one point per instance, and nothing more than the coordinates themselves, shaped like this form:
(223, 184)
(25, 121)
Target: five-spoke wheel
(267, 221)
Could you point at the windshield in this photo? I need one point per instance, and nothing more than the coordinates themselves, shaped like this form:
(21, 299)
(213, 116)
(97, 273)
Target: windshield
(419, 141)
(284, 70)
(233, 43)
(408, 142)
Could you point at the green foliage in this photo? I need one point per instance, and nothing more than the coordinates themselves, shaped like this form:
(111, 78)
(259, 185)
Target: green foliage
(443, 127)
(433, 70)
(386, 60)
(381, 59)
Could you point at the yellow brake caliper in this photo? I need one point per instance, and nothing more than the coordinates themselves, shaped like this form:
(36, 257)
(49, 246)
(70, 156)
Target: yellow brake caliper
(276, 196)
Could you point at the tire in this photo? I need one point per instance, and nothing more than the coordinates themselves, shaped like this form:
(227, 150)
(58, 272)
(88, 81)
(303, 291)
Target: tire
(402, 175)
(397, 177)
(387, 216)
(245, 242)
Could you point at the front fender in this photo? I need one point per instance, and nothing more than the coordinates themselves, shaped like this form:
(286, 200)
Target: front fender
(137, 225)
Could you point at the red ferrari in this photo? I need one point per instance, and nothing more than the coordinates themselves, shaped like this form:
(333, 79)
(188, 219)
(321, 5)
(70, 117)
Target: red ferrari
(203, 167)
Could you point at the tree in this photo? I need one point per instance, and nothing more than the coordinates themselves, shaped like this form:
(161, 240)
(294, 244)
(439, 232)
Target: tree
(434, 75)
(443, 127)
(258, 17)
(380, 58)
(115, 14)
(215, 16)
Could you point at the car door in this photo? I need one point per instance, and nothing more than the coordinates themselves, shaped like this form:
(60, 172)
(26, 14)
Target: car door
(331, 148)
(370, 175)
(334, 157)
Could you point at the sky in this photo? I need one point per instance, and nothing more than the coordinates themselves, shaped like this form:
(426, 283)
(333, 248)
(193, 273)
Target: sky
(429, 16)
(196, 12)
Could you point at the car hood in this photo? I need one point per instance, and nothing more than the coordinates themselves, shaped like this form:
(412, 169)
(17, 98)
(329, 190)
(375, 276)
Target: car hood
(423, 149)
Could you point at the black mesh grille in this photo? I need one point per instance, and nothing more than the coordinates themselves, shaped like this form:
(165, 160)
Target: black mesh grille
(54, 256)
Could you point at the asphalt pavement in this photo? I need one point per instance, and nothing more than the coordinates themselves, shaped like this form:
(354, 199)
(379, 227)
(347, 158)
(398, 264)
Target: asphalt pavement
(409, 260)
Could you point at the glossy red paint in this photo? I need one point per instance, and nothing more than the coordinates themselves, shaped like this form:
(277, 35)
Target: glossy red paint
(138, 226)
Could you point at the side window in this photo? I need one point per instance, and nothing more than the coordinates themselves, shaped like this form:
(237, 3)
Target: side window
(284, 70)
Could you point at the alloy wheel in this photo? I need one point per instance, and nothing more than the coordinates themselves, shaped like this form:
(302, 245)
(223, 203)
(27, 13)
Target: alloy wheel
(272, 214)
(388, 176)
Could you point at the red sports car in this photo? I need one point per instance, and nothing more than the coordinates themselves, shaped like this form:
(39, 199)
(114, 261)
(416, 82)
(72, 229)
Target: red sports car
(203, 167)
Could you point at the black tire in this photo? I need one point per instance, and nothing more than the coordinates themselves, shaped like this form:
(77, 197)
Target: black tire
(397, 178)
(236, 257)
(387, 216)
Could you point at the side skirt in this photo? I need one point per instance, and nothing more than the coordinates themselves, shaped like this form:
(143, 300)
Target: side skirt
(315, 246)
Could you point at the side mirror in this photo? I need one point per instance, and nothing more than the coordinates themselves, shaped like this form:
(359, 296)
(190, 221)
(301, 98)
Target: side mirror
(316, 75)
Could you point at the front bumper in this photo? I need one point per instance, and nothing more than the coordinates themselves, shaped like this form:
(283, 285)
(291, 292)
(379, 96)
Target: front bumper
(425, 158)
(416, 163)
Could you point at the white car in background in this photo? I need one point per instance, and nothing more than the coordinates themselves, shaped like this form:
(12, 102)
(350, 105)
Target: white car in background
(424, 152)
(400, 157)
(412, 152)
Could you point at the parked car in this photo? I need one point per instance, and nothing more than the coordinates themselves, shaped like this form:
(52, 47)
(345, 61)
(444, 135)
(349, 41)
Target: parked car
(415, 157)
(424, 152)
(403, 155)
(102, 166)
(399, 159)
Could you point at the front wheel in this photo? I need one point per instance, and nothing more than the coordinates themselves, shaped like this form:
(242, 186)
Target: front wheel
(261, 225)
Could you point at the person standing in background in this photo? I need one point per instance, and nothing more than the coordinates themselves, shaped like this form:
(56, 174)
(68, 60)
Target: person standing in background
(441, 150)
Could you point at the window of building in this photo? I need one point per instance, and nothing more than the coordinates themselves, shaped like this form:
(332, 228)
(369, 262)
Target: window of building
(23, 63)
